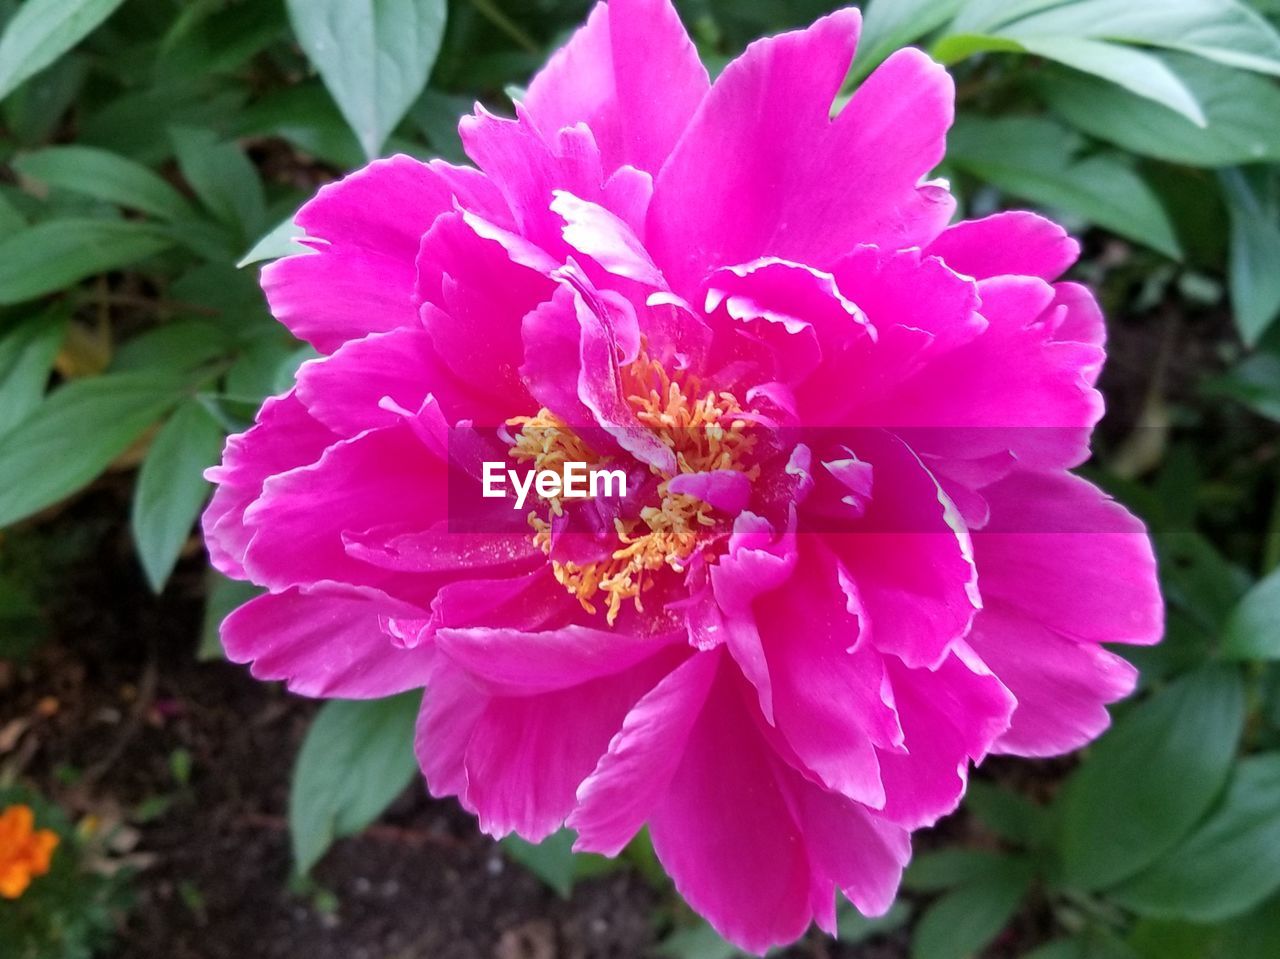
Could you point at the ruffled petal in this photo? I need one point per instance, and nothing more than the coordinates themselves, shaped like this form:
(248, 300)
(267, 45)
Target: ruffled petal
(908, 556)
(1015, 243)
(1063, 687)
(754, 846)
(285, 436)
(326, 642)
(800, 185)
(523, 757)
(951, 716)
(831, 695)
(366, 230)
(606, 77)
(631, 778)
(1067, 555)
(383, 478)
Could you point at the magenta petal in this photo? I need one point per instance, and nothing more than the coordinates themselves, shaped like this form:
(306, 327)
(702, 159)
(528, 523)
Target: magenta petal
(368, 227)
(521, 761)
(802, 186)
(473, 298)
(1068, 556)
(631, 778)
(952, 716)
(1063, 687)
(1010, 243)
(518, 663)
(607, 76)
(831, 696)
(726, 490)
(325, 642)
(754, 846)
(285, 436)
(724, 833)
(911, 569)
(376, 479)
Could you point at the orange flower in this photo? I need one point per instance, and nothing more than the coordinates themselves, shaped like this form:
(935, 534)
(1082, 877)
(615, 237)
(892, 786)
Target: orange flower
(24, 851)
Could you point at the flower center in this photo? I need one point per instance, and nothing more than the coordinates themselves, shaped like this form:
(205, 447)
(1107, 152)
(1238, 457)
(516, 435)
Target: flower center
(704, 429)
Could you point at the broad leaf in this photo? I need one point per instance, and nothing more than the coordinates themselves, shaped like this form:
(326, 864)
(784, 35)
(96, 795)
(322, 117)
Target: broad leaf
(26, 357)
(281, 240)
(1144, 785)
(1253, 203)
(1240, 110)
(357, 757)
(59, 253)
(374, 56)
(1228, 865)
(554, 861)
(105, 176)
(1037, 160)
(964, 920)
(889, 25)
(1253, 629)
(43, 30)
(223, 178)
(171, 488)
(74, 435)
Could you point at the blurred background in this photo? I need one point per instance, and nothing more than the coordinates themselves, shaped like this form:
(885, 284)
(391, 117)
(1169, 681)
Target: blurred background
(152, 153)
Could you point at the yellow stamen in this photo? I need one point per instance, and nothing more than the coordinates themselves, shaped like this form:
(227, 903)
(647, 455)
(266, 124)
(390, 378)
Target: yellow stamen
(705, 431)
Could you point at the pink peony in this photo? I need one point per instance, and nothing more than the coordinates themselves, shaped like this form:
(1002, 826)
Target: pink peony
(853, 561)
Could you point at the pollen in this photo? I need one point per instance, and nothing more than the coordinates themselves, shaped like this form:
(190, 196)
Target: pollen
(705, 429)
(25, 852)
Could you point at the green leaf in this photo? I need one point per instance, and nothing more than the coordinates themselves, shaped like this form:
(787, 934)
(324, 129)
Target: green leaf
(554, 861)
(171, 488)
(26, 357)
(222, 595)
(59, 253)
(697, 942)
(1255, 382)
(888, 25)
(374, 56)
(1228, 865)
(105, 176)
(356, 758)
(282, 240)
(1008, 814)
(966, 919)
(1253, 629)
(43, 30)
(1225, 31)
(1034, 158)
(1253, 204)
(222, 177)
(74, 435)
(1239, 109)
(1142, 74)
(1145, 783)
(853, 927)
(945, 868)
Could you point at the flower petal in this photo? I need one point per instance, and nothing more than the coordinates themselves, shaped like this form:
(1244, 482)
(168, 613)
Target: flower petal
(325, 642)
(800, 185)
(1010, 243)
(366, 229)
(285, 436)
(951, 715)
(606, 76)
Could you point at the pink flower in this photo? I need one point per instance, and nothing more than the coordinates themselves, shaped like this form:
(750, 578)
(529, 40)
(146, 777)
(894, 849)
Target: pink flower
(854, 560)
